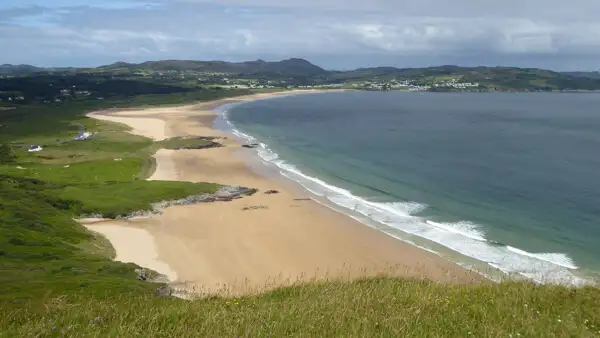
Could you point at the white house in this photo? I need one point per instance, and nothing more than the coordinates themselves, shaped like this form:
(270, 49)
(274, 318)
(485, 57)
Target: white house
(34, 148)
(83, 136)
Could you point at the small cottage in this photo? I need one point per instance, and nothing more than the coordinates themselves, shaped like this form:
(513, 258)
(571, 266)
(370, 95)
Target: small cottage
(34, 148)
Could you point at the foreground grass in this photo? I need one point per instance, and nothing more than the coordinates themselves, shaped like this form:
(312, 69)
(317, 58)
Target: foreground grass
(377, 307)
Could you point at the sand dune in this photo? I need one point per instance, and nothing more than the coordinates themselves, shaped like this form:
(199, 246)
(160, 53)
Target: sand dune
(148, 127)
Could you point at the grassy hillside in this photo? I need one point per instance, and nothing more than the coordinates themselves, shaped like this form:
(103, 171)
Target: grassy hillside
(593, 75)
(92, 88)
(289, 67)
(490, 78)
(378, 307)
(57, 278)
(43, 252)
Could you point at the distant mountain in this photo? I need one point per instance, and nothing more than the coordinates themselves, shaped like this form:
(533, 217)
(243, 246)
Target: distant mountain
(290, 67)
(490, 78)
(18, 69)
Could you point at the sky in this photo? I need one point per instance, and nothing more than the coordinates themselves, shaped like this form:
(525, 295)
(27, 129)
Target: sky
(335, 34)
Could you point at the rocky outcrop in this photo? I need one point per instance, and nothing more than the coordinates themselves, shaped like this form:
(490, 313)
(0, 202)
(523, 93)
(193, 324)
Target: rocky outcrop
(207, 145)
(251, 145)
(255, 207)
(224, 194)
(141, 274)
(164, 291)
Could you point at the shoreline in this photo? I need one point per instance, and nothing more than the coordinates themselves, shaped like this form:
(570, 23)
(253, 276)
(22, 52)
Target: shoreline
(262, 241)
(554, 270)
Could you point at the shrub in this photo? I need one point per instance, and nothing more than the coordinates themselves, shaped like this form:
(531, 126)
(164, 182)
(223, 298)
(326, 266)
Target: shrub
(7, 155)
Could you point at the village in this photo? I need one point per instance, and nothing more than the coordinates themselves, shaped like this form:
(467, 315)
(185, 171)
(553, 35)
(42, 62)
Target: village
(374, 84)
(414, 85)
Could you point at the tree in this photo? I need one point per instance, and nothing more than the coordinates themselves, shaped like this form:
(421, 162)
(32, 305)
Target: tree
(7, 155)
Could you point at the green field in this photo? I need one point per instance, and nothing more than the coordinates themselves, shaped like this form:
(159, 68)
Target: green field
(58, 279)
(43, 252)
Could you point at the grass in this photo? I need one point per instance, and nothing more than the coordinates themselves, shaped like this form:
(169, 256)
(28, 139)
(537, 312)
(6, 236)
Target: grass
(176, 99)
(41, 247)
(114, 199)
(188, 143)
(99, 171)
(58, 279)
(98, 245)
(376, 307)
(43, 251)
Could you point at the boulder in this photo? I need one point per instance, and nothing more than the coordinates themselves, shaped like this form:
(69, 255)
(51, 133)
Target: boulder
(141, 274)
(164, 291)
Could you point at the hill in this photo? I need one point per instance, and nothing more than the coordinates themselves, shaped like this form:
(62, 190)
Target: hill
(18, 69)
(488, 78)
(593, 75)
(300, 72)
(290, 67)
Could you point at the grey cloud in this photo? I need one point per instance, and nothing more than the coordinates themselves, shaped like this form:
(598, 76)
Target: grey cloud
(361, 32)
(538, 9)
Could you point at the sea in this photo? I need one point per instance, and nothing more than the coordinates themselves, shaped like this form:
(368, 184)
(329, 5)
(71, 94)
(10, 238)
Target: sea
(507, 184)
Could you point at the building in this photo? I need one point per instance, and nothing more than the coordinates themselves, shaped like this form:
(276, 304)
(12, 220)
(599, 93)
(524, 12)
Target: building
(34, 148)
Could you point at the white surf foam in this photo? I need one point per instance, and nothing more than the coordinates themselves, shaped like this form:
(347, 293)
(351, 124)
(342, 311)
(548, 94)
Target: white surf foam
(463, 237)
(466, 229)
(243, 136)
(555, 258)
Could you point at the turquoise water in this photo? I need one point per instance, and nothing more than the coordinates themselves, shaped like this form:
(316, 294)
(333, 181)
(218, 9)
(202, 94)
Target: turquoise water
(510, 181)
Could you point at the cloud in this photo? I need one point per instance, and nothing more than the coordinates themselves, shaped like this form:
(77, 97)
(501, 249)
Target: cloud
(335, 33)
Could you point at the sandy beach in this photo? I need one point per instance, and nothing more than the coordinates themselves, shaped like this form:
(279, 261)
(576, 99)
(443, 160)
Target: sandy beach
(256, 242)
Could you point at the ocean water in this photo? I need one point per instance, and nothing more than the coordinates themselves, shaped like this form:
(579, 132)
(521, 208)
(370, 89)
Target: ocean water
(500, 181)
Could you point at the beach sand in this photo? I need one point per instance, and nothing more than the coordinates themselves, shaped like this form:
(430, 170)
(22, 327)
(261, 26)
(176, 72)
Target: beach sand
(257, 242)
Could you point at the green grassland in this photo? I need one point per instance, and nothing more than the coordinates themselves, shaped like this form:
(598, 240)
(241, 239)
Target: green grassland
(43, 251)
(376, 307)
(57, 279)
(188, 142)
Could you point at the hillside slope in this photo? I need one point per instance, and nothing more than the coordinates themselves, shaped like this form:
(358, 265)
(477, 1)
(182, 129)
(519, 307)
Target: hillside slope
(291, 67)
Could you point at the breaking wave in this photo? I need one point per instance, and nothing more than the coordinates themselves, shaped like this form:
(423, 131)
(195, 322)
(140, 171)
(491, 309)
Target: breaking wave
(464, 237)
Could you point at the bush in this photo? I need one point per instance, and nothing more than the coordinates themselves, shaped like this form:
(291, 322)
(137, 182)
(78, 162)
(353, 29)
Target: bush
(7, 155)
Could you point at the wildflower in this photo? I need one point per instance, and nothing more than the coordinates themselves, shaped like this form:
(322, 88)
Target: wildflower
(560, 321)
